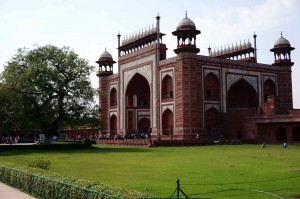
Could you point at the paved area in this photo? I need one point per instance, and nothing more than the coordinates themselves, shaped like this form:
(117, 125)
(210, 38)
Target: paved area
(7, 192)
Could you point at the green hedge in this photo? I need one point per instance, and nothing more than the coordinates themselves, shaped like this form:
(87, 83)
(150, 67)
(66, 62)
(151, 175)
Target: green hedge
(43, 184)
(60, 146)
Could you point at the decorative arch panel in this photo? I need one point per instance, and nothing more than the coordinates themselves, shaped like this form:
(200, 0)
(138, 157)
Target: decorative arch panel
(233, 78)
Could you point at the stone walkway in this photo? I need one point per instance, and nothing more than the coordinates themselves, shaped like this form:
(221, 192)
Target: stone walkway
(7, 192)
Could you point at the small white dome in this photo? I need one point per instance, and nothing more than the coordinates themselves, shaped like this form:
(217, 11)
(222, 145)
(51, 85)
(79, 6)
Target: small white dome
(282, 41)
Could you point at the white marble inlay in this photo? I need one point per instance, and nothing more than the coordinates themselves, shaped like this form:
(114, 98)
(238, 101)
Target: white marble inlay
(271, 77)
(216, 106)
(165, 107)
(111, 113)
(163, 74)
(207, 71)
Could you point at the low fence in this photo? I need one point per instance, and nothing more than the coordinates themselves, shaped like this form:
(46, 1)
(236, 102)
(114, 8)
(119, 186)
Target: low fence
(47, 188)
(133, 142)
(155, 142)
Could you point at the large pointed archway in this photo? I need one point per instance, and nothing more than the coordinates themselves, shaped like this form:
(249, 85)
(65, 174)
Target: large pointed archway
(137, 102)
(242, 95)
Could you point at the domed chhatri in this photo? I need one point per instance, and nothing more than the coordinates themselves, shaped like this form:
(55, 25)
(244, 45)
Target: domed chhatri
(186, 24)
(186, 33)
(281, 41)
(282, 52)
(105, 63)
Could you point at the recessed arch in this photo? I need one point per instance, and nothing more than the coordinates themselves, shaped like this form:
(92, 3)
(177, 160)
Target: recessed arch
(241, 95)
(269, 89)
(113, 97)
(167, 87)
(296, 134)
(212, 120)
(144, 125)
(211, 87)
(280, 134)
(167, 122)
(113, 124)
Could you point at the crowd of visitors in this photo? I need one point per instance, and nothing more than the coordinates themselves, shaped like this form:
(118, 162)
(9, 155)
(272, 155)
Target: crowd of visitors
(9, 139)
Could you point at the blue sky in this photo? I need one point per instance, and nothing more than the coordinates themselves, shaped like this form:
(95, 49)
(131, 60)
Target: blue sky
(88, 26)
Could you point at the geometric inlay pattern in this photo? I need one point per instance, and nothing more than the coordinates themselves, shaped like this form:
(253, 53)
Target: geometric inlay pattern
(232, 78)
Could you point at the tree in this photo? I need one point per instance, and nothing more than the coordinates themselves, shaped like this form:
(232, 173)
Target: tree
(45, 87)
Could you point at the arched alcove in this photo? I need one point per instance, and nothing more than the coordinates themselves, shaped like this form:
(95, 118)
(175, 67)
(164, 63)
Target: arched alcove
(296, 134)
(269, 89)
(211, 87)
(280, 134)
(167, 122)
(113, 97)
(113, 124)
(167, 87)
(212, 120)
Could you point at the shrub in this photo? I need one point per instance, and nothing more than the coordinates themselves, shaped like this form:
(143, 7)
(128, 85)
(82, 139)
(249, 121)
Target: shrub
(40, 163)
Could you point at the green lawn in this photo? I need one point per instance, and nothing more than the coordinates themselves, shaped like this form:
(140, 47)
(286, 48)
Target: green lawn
(224, 171)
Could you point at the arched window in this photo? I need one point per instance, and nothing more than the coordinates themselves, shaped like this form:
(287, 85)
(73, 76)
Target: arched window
(167, 87)
(113, 97)
(269, 89)
(211, 87)
(241, 95)
(167, 122)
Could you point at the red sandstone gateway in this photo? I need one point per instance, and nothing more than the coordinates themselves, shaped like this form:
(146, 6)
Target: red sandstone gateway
(226, 95)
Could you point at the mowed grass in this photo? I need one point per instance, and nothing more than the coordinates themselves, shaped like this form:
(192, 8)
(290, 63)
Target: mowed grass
(223, 171)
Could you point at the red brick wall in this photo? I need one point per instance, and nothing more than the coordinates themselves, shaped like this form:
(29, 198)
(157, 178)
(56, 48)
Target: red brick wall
(104, 103)
(188, 100)
(285, 91)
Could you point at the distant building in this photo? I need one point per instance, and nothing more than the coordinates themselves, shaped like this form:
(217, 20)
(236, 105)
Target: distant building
(226, 95)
